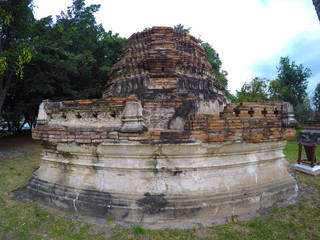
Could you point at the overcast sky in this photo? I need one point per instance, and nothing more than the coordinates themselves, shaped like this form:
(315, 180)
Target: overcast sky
(249, 35)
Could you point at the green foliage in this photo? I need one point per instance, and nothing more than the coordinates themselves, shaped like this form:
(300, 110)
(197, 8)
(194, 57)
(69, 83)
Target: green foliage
(181, 28)
(16, 19)
(290, 86)
(316, 96)
(293, 81)
(71, 59)
(214, 60)
(138, 229)
(83, 48)
(5, 17)
(274, 89)
(303, 111)
(254, 91)
(212, 56)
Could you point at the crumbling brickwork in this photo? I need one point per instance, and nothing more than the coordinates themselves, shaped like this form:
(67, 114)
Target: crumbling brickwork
(168, 69)
(163, 147)
(162, 58)
(251, 122)
(248, 122)
(181, 100)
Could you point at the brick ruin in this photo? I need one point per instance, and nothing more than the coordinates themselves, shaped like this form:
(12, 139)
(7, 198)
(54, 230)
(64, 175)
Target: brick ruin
(164, 147)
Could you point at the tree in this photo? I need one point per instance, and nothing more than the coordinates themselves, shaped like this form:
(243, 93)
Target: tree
(95, 50)
(316, 96)
(16, 18)
(290, 86)
(254, 91)
(274, 89)
(293, 81)
(303, 111)
(214, 60)
(109, 51)
(83, 34)
(71, 60)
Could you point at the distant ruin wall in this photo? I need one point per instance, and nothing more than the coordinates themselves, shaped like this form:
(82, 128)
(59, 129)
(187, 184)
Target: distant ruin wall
(310, 131)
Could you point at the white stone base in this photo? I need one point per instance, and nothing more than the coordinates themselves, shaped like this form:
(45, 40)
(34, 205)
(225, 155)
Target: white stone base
(307, 169)
(164, 185)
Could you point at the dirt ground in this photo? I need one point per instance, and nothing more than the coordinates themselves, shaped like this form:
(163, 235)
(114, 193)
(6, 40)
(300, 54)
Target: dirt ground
(11, 146)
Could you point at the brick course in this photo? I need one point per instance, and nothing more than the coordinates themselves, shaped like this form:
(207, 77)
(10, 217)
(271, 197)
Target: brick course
(228, 126)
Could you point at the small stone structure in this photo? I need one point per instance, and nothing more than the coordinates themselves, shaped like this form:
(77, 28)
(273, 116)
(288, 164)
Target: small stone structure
(163, 148)
(310, 131)
(308, 137)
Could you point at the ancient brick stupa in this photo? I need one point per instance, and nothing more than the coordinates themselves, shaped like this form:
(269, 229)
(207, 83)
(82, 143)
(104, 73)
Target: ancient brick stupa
(163, 148)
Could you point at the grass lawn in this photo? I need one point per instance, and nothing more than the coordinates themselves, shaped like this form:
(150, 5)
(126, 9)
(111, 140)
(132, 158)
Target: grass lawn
(20, 155)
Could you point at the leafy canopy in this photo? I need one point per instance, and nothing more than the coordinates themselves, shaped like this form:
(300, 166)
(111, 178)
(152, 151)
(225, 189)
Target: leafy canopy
(292, 81)
(253, 91)
(290, 86)
(71, 59)
(316, 96)
(16, 19)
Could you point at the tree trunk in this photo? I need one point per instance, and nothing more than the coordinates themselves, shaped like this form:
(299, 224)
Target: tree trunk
(4, 87)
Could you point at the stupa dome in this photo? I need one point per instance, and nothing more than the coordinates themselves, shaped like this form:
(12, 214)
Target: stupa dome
(162, 58)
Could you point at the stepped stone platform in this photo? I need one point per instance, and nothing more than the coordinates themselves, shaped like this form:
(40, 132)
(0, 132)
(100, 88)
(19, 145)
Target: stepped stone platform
(164, 147)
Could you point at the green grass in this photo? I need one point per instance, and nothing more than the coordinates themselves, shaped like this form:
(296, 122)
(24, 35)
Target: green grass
(27, 221)
(138, 229)
(291, 152)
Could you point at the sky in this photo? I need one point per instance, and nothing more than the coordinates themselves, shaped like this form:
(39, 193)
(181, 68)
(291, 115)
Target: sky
(249, 35)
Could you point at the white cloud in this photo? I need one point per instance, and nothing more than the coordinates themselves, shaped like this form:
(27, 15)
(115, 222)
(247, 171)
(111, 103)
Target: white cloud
(242, 32)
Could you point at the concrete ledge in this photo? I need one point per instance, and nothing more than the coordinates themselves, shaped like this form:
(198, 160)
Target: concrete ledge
(307, 169)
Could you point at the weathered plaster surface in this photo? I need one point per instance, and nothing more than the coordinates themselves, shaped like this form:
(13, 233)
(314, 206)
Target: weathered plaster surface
(164, 147)
(198, 183)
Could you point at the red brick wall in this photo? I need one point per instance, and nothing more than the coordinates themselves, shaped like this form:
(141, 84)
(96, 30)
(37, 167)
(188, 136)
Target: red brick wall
(249, 122)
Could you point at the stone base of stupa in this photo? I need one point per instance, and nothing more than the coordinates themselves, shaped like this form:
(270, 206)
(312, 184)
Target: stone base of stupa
(163, 185)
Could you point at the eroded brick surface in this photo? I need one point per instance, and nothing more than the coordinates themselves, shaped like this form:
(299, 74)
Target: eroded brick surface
(163, 147)
(177, 91)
